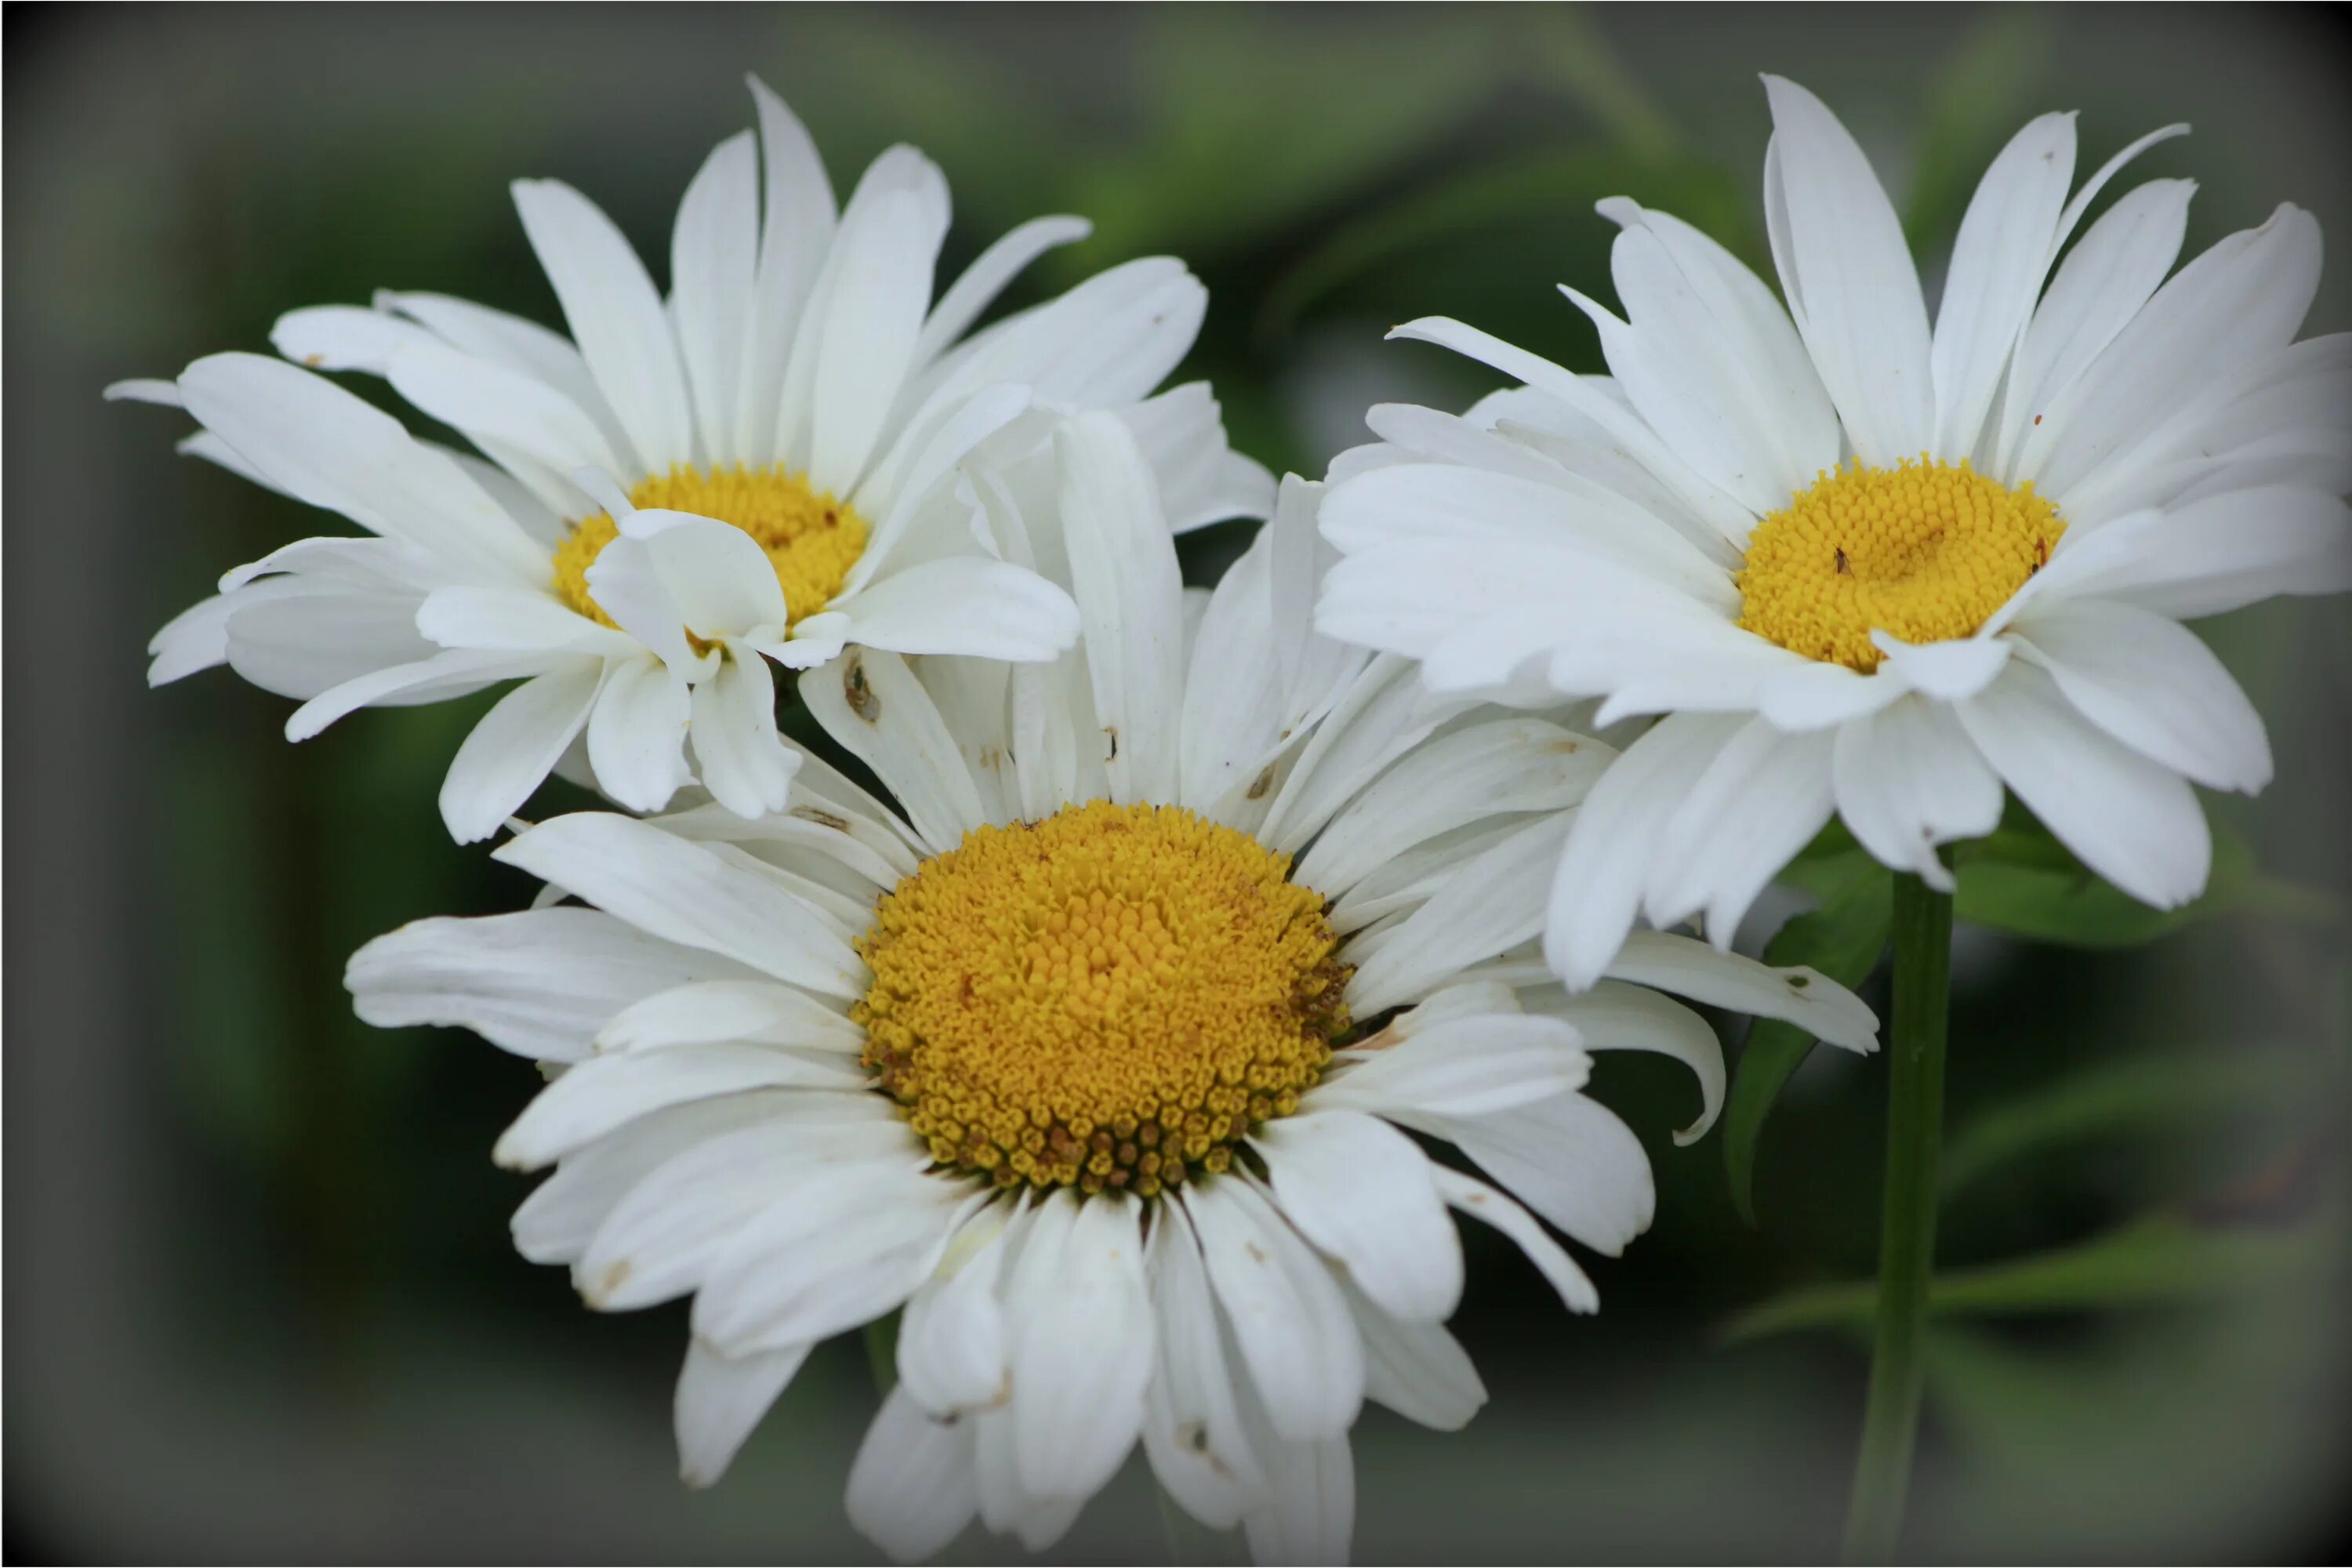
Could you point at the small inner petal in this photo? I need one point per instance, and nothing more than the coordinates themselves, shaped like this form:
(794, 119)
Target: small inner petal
(1106, 999)
(812, 538)
(1925, 550)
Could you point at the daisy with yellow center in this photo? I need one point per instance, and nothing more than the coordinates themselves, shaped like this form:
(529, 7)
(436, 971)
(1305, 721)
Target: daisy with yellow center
(769, 463)
(1096, 1057)
(1864, 563)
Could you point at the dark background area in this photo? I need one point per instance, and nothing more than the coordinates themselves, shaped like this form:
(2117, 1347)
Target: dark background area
(259, 1298)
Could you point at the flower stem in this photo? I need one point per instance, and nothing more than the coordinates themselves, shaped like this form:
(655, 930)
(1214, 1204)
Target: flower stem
(1906, 1247)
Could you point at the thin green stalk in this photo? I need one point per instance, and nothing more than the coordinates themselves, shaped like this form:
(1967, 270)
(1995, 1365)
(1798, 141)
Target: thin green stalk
(882, 1352)
(1906, 1247)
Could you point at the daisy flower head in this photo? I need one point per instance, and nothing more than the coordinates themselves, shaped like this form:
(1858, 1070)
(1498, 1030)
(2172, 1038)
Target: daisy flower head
(1865, 565)
(770, 462)
(1100, 1059)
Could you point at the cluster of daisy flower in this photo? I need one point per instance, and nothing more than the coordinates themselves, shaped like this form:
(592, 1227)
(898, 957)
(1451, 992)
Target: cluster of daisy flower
(1124, 1043)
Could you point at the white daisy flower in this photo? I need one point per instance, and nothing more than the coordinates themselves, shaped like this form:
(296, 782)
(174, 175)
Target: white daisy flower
(767, 465)
(1867, 566)
(1096, 1061)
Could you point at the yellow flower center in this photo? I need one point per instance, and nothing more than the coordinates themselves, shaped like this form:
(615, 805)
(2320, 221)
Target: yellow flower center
(812, 539)
(1925, 550)
(1110, 998)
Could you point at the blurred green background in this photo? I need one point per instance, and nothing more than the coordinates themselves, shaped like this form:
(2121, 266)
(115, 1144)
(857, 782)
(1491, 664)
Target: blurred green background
(260, 1302)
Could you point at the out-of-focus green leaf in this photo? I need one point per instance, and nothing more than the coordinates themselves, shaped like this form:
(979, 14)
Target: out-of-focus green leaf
(1250, 124)
(2136, 1096)
(1842, 939)
(1467, 205)
(1567, 48)
(2022, 880)
(1979, 101)
(2150, 1262)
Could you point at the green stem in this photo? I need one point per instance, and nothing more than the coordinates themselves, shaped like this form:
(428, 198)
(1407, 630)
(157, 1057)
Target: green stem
(882, 1351)
(1906, 1248)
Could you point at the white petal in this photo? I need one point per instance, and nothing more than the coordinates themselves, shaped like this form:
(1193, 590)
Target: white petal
(1908, 779)
(1597, 889)
(965, 604)
(684, 893)
(2133, 821)
(491, 403)
(516, 619)
(636, 736)
(953, 1350)
(872, 704)
(797, 230)
(987, 277)
(835, 1250)
(1817, 695)
(742, 762)
(1949, 671)
(1800, 995)
(714, 256)
(1485, 906)
(1616, 1016)
(1289, 1320)
(596, 1095)
(1474, 1197)
(2098, 290)
(2241, 300)
(1760, 801)
(1417, 1370)
(317, 441)
(716, 574)
(1999, 260)
(912, 1488)
(1129, 596)
(1082, 1343)
(709, 1011)
(1193, 1425)
(1201, 480)
(1361, 1191)
(1473, 1064)
(615, 316)
(560, 1218)
(1849, 279)
(874, 315)
(2150, 683)
(510, 752)
(450, 673)
(539, 983)
(719, 1399)
(2203, 557)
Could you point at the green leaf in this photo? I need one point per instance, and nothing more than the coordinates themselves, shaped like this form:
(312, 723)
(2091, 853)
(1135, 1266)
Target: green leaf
(1499, 199)
(2149, 1262)
(2142, 1094)
(1842, 939)
(2022, 880)
(1977, 103)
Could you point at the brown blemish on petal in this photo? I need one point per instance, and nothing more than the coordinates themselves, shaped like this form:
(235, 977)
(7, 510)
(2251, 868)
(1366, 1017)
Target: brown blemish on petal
(822, 818)
(1259, 785)
(857, 692)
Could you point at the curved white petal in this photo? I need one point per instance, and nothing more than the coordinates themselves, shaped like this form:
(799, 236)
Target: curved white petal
(1909, 780)
(1291, 1324)
(719, 1399)
(511, 750)
(1361, 1191)
(913, 1487)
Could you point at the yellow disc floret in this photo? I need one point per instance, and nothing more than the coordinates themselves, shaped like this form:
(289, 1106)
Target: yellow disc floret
(1925, 551)
(812, 538)
(1110, 998)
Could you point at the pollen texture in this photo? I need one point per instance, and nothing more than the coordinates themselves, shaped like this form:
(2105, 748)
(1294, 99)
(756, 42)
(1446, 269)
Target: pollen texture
(1925, 550)
(1106, 999)
(812, 539)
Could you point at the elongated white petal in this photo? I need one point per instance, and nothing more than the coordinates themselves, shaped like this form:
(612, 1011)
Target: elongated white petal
(719, 1399)
(1193, 1426)
(711, 1011)
(510, 752)
(742, 760)
(2133, 821)
(1909, 780)
(872, 704)
(1129, 598)
(965, 604)
(1849, 279)
(683, 893)
(1361, 1191)
(1082, 1343)
(913, 1487)
(636, 735)
(1760, 800)
(1289, 1320)
(953, 1352)
(597, 1095)
(1417, 1370)
(1999, 260)
(714, 258)
(616, 315)
(2152, 684)
(1470, 1196)
(539, 983)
